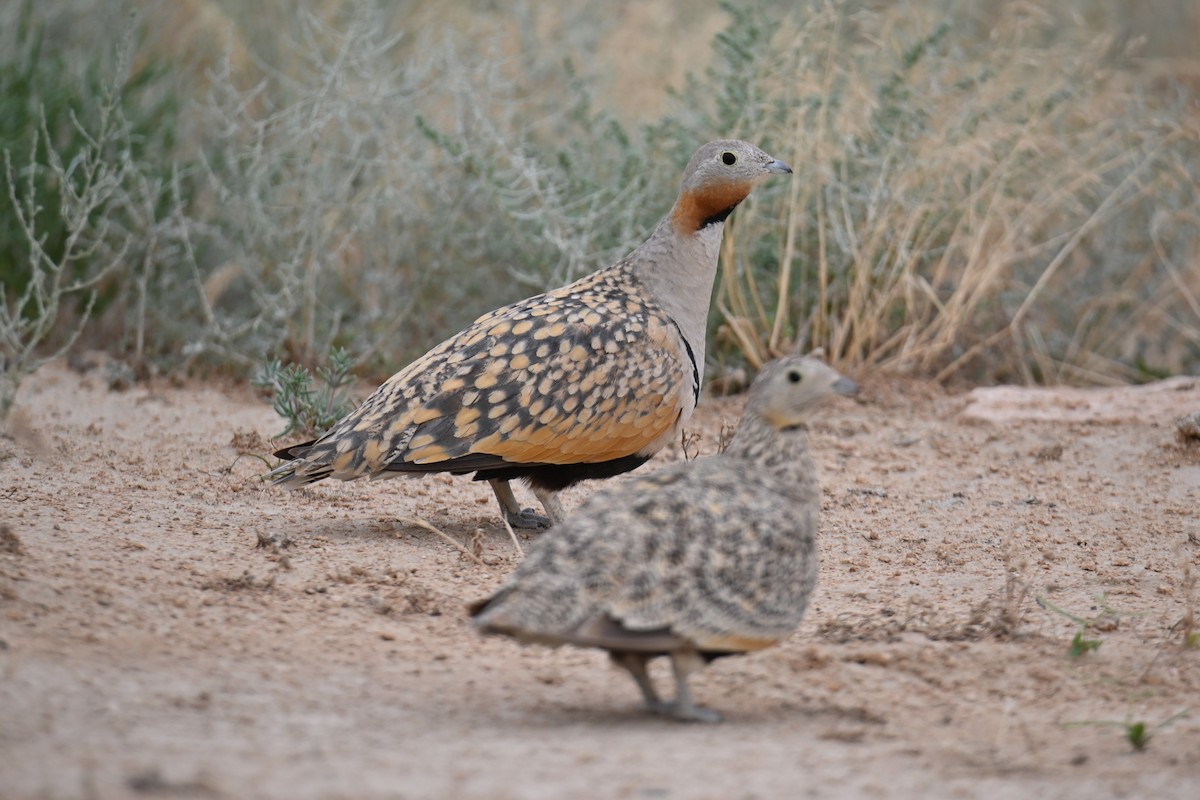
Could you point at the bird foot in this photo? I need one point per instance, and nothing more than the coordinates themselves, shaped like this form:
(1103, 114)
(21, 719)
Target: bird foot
(528, 519)
(685, 712)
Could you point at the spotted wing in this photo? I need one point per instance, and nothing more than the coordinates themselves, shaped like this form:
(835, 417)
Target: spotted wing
(586, 374)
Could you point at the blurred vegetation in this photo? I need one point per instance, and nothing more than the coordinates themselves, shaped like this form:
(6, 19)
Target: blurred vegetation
(983, 192)
(85, 162)
(48, 102)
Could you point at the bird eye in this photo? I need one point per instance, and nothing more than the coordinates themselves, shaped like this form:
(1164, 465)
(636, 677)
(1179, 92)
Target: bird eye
(729, 158)
(794, 376)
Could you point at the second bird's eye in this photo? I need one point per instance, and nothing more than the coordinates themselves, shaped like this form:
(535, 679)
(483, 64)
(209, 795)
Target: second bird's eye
(795, 377)
(728, 158)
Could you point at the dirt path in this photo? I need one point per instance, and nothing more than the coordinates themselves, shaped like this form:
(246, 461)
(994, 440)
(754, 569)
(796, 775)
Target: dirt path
(148, 648)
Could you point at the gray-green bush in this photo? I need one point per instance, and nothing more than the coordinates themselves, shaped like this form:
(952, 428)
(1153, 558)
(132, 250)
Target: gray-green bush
(81, 193)
(378, 199)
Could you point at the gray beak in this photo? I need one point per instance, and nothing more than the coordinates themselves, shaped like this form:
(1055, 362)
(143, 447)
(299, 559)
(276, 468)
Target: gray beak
(777, 167)
(844, 385)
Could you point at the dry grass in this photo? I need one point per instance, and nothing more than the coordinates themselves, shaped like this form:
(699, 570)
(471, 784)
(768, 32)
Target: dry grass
(1015, 209)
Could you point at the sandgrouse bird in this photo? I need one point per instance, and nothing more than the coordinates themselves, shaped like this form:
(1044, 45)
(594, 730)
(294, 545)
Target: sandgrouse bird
(586, 381)
(694, 561)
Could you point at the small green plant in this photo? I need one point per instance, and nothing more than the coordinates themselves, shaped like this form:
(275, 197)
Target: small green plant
(1080, 644)
(1138, 733)
(309, 409)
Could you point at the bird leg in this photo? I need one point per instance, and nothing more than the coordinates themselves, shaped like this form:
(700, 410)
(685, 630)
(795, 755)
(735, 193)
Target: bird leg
(517, 517)
(550, 502)
(635, 665)
(684, 663)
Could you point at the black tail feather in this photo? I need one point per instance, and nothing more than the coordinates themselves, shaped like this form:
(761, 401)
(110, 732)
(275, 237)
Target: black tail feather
(292, 452)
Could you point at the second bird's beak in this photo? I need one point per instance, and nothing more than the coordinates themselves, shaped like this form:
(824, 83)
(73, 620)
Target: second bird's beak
(845, 386)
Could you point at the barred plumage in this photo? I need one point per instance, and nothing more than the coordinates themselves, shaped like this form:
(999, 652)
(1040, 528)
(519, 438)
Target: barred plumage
(586, 381)
(697, 560)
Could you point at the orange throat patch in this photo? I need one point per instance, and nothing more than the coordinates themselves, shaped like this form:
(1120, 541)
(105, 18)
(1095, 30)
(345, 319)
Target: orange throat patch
(695, 210)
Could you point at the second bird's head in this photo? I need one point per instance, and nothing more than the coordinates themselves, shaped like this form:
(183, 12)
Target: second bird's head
(787, 390)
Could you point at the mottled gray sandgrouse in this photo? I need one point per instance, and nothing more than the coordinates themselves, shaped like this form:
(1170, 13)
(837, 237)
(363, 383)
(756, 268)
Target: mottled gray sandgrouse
(695, 561)
(586, 381)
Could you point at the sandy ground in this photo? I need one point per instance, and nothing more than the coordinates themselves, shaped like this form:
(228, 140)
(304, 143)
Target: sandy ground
(150, 648)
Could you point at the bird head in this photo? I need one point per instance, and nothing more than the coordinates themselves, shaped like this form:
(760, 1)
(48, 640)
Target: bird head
(720, 175)
(788, 389)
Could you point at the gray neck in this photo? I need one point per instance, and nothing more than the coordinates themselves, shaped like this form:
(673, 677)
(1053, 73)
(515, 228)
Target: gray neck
(783, 453)
(678, 272)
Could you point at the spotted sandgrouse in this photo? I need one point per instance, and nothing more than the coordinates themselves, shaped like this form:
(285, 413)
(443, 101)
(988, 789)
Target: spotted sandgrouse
(586, 381)
(694, 561)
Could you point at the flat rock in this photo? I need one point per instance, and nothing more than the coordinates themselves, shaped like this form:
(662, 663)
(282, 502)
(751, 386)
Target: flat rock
(1159, 402)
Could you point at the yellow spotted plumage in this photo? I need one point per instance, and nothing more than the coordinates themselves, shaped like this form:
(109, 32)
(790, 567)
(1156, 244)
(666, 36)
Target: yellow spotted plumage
(586, 381)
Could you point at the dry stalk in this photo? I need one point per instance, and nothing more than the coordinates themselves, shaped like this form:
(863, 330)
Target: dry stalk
(420, 523)
(512, 535)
